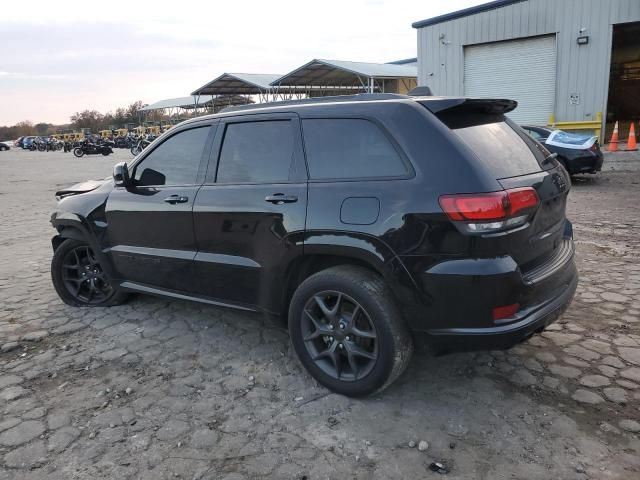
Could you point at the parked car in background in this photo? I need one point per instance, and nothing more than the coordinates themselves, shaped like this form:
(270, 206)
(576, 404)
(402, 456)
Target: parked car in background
(27, 142)
(576, 152)
(4, 146)
(343, 218)
(18, 142)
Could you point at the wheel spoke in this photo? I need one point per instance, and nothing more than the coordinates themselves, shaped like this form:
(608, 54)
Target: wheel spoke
(328, 312)
(352, 363)
(358, 351)
(332, 355)
(362, 333)
(70, 267)
(320, 328)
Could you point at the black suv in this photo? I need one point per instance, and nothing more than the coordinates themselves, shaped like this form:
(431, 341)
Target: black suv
(365, 223)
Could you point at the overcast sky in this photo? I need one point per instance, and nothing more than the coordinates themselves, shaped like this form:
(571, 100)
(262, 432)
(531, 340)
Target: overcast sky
(58, 57)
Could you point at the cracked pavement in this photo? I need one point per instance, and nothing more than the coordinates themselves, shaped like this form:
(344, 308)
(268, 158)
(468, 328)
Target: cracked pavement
(168, 389)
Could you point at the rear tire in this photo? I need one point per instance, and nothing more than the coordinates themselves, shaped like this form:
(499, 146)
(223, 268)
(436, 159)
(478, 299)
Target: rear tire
(79, 279)
(348, 332)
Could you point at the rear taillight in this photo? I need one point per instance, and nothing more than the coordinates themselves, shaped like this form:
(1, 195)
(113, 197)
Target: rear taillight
(490, 212)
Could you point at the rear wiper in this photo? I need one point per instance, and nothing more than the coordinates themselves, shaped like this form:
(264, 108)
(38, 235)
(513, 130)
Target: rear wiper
(549, 158)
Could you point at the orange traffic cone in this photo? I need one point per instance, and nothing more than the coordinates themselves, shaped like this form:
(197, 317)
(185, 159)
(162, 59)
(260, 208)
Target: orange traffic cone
(613, 144)
(631, 143)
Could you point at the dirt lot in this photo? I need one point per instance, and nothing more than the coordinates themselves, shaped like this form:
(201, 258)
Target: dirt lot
(167, 389)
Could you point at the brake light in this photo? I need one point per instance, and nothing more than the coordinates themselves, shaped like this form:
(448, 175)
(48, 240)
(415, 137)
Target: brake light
(486, 212)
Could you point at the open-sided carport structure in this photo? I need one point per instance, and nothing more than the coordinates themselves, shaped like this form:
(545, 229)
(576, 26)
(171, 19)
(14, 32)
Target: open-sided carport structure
(240, 84)
(176, 106)
(194, 105)
(339, 77)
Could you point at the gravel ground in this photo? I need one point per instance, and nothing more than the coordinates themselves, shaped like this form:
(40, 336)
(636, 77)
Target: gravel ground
(167, 389)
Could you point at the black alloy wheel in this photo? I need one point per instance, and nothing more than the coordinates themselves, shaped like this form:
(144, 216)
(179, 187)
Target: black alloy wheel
(339, 335)
(79, 279)
(348, 331)
(83, 277)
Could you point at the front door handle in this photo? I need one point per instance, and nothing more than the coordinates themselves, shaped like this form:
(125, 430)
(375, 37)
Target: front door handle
(280, 198)
(173, 199)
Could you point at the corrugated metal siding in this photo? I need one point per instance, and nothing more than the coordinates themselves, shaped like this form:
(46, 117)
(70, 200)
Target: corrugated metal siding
(523, 70)
(583, 70)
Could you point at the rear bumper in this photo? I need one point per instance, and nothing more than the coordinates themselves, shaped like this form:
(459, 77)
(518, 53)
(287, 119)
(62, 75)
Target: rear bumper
(501, 337)
(588, 163)
(462, 294)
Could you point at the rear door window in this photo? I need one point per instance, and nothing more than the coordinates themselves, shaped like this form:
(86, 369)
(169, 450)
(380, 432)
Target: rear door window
(257, 152)
(349, 148)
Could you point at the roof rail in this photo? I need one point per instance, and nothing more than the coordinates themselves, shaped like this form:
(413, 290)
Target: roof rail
(360, 97)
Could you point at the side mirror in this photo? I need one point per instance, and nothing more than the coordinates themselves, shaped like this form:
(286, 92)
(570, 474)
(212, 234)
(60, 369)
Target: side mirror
(121, 174)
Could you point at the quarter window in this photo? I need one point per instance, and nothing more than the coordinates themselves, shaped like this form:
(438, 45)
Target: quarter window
(175, 161)
(349, 148)
(256, 152)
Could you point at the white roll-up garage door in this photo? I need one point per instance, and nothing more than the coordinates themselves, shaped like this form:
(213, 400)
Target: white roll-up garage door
(523, 70)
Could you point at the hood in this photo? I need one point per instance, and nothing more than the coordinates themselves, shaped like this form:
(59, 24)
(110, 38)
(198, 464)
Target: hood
(82, 187)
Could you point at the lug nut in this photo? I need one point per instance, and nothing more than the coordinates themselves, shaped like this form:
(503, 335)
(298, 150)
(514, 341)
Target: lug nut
(348, 338)
(331, 339)
(342, 326)
(340, 346)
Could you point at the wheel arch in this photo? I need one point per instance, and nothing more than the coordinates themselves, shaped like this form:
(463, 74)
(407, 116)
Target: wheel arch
(72, 226)
(377, 257)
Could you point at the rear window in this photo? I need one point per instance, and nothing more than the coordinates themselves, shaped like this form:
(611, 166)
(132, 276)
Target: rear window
(499, 144)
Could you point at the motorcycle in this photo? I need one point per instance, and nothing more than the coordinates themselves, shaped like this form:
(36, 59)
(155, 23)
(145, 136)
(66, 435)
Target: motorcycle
(88, 148)
(125, 142)
(142, 144)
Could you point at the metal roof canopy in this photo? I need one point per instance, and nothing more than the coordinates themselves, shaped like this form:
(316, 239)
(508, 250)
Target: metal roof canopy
(238, 84)
(182, 102)
(340, 73)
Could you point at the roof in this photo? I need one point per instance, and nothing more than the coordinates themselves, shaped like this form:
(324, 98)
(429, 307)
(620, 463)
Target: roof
(182, 102)
(319, 72)
(238, 84)
(465, 12)
(405, 61)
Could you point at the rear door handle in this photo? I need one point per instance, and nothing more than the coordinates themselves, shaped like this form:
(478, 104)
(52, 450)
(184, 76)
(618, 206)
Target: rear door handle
(280, 198)
(173, 199)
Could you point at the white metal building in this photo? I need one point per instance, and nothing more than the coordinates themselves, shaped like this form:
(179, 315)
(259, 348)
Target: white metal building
(558, 58)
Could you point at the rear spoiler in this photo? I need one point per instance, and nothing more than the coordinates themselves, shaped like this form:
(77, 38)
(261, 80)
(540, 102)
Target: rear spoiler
(490, 106)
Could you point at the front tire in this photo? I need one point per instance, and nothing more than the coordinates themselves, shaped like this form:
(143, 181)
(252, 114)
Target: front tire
(348, 331)
(78, 152)
(79, 279)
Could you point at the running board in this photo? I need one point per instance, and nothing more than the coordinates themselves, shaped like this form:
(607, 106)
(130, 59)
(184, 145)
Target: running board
(137, 287)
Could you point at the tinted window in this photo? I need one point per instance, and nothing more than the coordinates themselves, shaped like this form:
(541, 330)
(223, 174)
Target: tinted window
(501, 149)
(257, 152)
(175, 161)
(349, 148)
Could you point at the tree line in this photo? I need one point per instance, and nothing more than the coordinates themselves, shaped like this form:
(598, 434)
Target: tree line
(92, 119)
